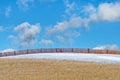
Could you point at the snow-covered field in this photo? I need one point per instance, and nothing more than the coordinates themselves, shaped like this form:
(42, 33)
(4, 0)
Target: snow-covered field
(104, 58)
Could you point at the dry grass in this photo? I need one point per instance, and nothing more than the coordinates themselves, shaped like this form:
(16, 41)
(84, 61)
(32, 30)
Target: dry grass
(27, 69)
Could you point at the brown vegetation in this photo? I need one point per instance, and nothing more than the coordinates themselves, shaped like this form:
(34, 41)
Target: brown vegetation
(27, 69)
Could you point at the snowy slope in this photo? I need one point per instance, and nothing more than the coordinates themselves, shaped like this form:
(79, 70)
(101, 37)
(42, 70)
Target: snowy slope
(107, 58)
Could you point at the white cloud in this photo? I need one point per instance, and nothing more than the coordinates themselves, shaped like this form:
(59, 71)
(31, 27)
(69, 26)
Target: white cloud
(8, 50)
(27, 34)
(89, 9)
(61, 39)
(24, 4)
(46, 42)
(107, 47)
(109, 11)
(7, 11)
(104, 12)
(74, 22)
(69, 6)
(69, 36)
(67, 29)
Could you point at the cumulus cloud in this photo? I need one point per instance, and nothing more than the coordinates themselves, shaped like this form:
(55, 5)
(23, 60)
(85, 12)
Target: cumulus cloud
(7, 11)
(27, 34)
(24, 4)
(46, 42)
(107, 47)
(68, 28)
(109, 11)
(104, 12)
(74, 22)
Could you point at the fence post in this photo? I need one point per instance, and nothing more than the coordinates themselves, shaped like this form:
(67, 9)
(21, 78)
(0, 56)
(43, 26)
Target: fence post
(27, 51)
(107, 51)
(14, 52)
(5, 54)
(88, 50)
(56, 50)
(72, 50)
(61, 50)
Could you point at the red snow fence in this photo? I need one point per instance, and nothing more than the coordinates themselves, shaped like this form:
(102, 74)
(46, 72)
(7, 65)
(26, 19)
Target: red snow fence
(59, 50)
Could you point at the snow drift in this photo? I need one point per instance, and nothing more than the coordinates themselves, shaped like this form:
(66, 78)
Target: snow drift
(103, 58)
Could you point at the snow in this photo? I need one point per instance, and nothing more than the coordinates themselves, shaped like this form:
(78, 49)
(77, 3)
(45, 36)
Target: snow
(104, 58)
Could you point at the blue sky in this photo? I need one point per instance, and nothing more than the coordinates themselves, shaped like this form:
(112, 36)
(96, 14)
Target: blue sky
(59, 23)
